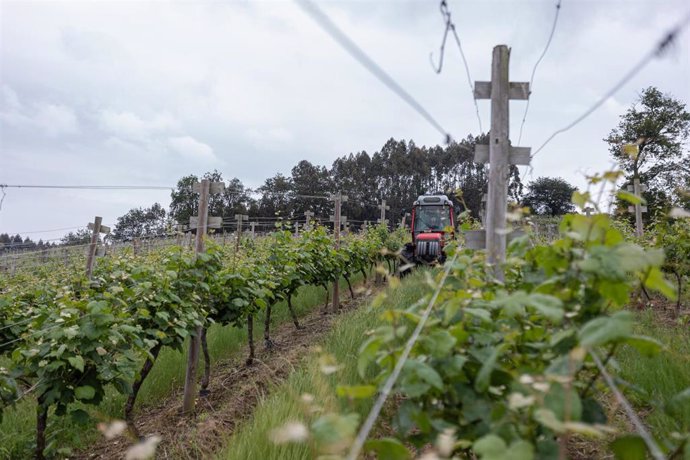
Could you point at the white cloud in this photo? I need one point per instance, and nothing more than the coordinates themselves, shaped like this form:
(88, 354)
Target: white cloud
(43, 117)
(132, 126)
(56, 119)
(118, 91)
(189, 147)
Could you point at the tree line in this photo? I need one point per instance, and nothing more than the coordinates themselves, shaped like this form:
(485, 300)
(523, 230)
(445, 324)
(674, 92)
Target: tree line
(657, 124)
(399, 172)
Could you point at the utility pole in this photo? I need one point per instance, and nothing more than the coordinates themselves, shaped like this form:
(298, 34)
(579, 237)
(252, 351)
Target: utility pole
(383, 208)
(638, 209)
(96, 228)
(338, 200)
(205, 188)
(499, 153)
(253, 227)
(308, 215)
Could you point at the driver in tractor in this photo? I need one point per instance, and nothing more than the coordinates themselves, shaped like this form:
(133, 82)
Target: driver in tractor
(434, 221)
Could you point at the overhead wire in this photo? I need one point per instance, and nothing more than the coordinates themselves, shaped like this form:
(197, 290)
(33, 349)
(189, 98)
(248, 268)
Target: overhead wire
(536, 64)
(46, 231)
(90, 187)
(358, 54)
(667, 39)
(450, 25)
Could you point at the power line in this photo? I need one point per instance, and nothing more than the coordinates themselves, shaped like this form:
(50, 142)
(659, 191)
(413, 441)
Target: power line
(667, 39)
(450, 25)
(90, 187)
(358, 443)
(536, 64)
(356, 52)
(46, 231)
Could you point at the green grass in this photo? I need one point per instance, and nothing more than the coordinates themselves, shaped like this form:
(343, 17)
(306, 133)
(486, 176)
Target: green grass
(17, 430)
(662, 376)
(251, 439)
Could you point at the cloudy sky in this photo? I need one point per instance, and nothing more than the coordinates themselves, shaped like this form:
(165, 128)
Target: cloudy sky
(144, 92)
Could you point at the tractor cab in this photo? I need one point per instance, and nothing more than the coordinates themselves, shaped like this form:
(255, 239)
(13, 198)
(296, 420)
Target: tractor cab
(433, 223)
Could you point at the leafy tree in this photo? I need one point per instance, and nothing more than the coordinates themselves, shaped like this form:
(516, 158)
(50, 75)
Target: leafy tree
(549, 196)
(310, 180)
(139, 222)
(659, 125)
(81, 236)
(236, 198)
(183, 200)
(276, 196)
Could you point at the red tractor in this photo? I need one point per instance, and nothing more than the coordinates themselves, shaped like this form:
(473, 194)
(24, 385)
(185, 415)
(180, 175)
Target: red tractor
(433, 223)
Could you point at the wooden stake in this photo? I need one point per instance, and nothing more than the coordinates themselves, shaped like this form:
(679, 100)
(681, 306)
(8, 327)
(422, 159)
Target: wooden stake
(195, 342)
(91, 255)
(338, 199)
(308, 215)
(383, 207)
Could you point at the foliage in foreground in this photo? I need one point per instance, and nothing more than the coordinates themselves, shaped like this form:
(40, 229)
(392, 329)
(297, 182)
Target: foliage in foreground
(70, 338)
(505, 370)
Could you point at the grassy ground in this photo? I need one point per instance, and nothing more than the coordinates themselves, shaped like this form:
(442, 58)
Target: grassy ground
(662, 376)
(17, 430)
(251, 439)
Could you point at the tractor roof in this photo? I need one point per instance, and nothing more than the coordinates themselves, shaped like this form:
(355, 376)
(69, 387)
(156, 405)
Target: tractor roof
(429, 200)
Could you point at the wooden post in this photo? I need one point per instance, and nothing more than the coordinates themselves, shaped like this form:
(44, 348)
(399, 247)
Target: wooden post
(638, 209)
(239, 218)
(338, 199)
(383, 207)
(96, 228)
(404, 219)
(195, 342)
(91, 255)
(308, 215)
(500, 153)
(135, 245)
(499, 167)
(296, 228)
(253, 226)
(201, 222)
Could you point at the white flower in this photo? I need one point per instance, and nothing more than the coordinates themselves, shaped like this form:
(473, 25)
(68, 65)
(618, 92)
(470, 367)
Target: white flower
(112, 430)
(290, 432)
(541, 386)
(445, 442)
(144, 450)
(526, 379)
(518, 400)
